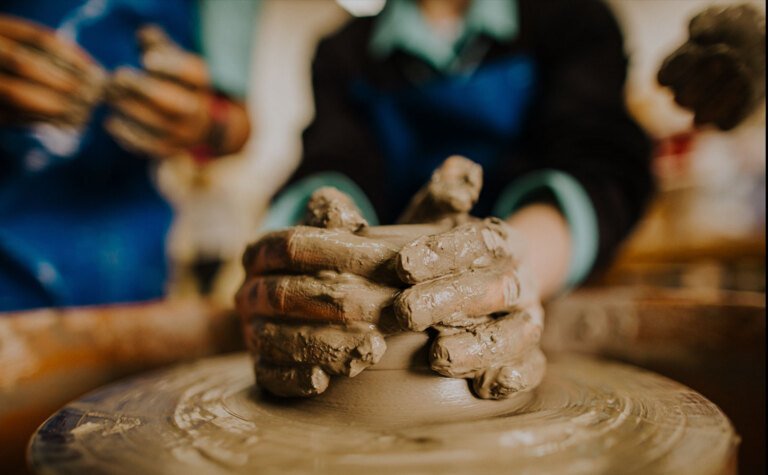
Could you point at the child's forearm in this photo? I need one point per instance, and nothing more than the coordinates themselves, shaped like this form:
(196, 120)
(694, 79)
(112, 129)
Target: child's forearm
(548, 245)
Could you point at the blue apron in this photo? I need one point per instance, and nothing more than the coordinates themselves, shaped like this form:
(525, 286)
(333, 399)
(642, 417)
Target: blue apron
(83, 224)
(479, 115)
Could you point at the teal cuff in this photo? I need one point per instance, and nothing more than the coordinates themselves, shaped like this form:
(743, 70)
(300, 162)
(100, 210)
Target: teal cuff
(574, 203)
(288, 209)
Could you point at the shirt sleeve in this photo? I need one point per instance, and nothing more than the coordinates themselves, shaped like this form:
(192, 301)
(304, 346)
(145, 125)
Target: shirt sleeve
(226, 31)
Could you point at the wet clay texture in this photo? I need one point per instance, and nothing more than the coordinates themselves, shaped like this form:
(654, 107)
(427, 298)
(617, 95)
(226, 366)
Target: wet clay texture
(586, 417)
(325, 298)
(343, 350)
(451, 192)
(331, 209)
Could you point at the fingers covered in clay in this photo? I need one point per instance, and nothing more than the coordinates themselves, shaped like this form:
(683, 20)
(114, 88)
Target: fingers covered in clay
(457, 299)
(329, 208)
(337, 349)
(327, 297)
(306, 327)
(469, 246)
(471, 284)
(305, 249)
(292, 381)
(317, 297)
(452, 190)
(455, 186)
(468, 352)
(504, 380)
(335, 238)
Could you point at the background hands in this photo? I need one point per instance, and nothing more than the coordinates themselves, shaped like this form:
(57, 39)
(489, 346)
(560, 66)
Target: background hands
(44, 77)
(164, 110)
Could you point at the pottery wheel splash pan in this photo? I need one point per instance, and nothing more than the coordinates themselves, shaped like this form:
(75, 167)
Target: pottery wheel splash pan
(207, 417)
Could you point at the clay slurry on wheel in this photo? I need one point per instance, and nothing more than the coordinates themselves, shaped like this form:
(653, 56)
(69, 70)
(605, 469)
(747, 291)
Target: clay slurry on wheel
(586, 417)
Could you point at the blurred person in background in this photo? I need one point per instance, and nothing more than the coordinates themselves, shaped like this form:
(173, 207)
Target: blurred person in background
(533, 91)
(92, 94)
(718, 74)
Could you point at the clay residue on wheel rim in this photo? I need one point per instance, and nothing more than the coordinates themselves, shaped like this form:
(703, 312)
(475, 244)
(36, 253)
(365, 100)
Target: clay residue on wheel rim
(586, 417)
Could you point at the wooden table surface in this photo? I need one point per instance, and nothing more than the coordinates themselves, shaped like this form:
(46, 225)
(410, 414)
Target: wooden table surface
(49, 357)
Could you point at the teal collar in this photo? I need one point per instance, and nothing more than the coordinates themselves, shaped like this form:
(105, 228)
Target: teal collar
(401, 25)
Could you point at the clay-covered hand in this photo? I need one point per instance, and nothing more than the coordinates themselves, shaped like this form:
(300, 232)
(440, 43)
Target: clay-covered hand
(470, 283)
(163, 110)
(315, 297)
(719, 73)
(44, 77)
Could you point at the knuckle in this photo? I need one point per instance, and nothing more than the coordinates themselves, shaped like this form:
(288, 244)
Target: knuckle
(276, 292)
(510, 290)
(291, 243)
(404, 311)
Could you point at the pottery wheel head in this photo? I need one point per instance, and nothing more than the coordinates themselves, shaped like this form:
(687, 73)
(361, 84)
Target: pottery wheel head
(205, 418)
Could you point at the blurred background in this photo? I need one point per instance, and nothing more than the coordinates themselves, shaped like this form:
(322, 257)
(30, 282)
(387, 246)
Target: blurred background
(685, 297)
(711, 187)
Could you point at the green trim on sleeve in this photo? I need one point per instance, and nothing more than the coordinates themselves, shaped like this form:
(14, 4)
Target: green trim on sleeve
(288, 209)
(574, 203)
(226, 32)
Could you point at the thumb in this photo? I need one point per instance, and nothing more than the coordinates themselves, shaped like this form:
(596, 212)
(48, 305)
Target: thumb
(452, 190)
(330, 208)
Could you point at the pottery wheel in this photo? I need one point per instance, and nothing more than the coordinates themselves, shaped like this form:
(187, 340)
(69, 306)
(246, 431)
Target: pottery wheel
(206, 417)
